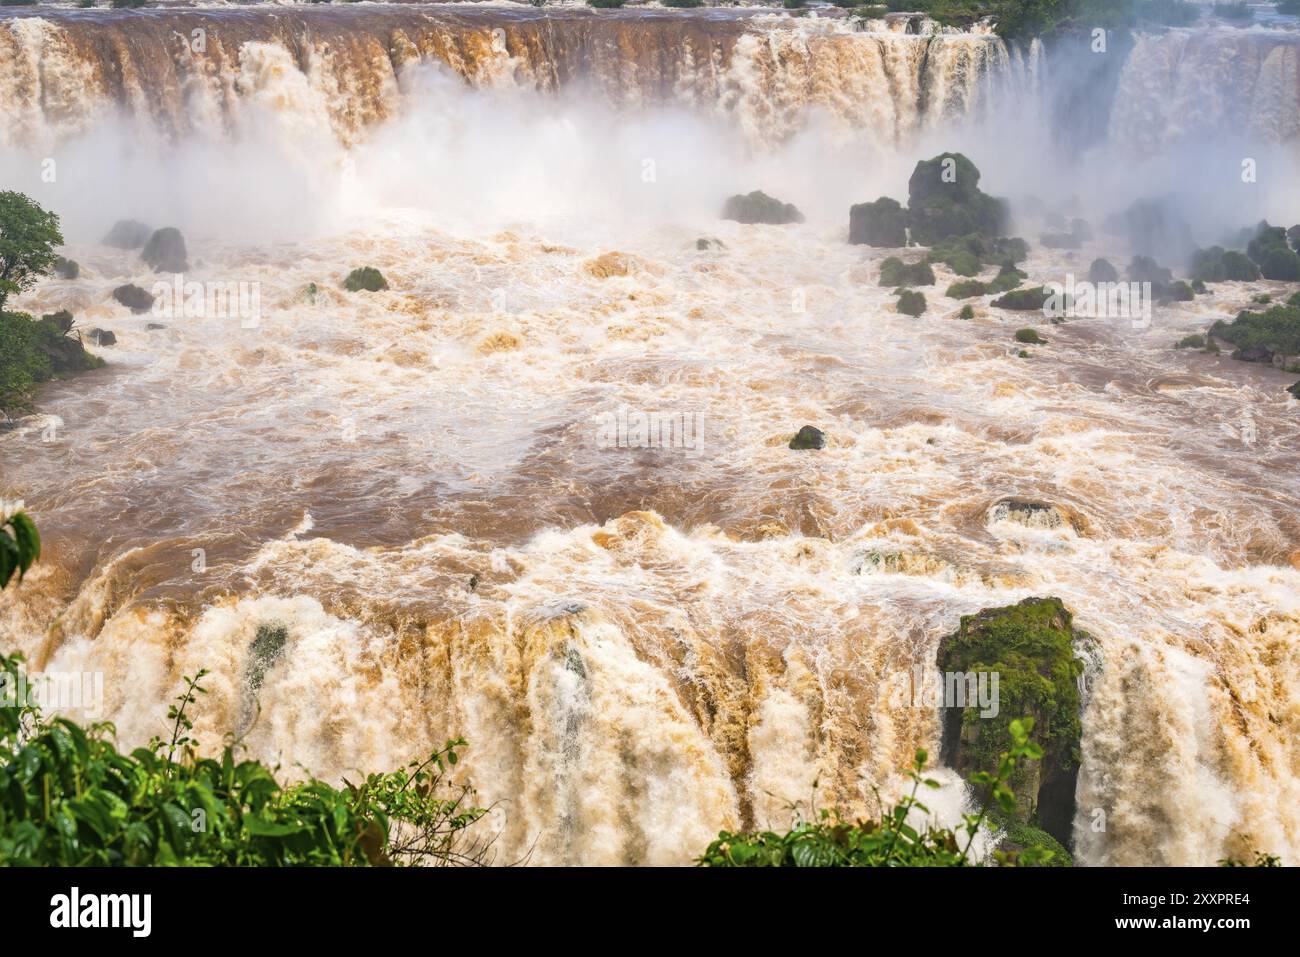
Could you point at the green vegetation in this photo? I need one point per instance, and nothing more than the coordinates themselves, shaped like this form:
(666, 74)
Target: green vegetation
(1031, 647)
(894, 272)
(20, 545)
(1023, 300)
(808, 437)
(366, 278)
(1194, 341)
(34, 351)
(944, 200)
(966, 289)
(889, 840)
(1030, 337)
(28, 237)
(1259, 336)
(967, 312)
(758, 207)
(69, 797)
(605, 4)
(910, 302)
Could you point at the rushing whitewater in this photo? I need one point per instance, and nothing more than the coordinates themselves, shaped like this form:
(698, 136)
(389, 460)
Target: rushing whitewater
(443, 491)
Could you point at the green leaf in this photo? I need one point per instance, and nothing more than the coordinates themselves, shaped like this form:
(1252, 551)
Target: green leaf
(28, 539)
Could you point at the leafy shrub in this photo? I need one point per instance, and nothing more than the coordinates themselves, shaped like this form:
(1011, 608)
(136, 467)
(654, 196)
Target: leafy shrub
(889, 840)
(1276, 330)
(69, 797)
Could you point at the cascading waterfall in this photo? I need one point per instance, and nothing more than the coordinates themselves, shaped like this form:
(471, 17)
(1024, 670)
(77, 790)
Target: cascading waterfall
(642, 646)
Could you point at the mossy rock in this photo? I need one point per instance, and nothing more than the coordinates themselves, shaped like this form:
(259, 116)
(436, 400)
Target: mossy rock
(1280, 264)
(1260, 336)
(944, 199)
(1017, 836)
(882, 223)
(895, 272)
(1031, 647)
(1216, 264)
(757, 207)
(1024, 300)
(807, 438)
(367, 279)
(1294, 389)
(66, 268)
(910, 302)
(966, 289)
(1180, 291)
(1194, 341)
(1146, 269)
(967, 312)
(1030, 337)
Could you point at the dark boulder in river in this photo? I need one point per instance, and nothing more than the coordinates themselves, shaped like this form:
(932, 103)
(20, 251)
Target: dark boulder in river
(165, 251)
(102, 337)
(134, 298)
(808, 438)
(758, 207)
(882, 223)
(128, 234)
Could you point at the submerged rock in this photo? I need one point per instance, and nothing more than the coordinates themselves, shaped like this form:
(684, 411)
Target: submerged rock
(165, 251)
(134, 298)
(128, 234)
(808, 437)
(882, 223)
(758, 207)
(1031, 649)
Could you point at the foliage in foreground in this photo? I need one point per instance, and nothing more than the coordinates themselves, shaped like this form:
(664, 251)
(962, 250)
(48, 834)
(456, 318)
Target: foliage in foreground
(890, 841)
(20, 544)
(68, 797)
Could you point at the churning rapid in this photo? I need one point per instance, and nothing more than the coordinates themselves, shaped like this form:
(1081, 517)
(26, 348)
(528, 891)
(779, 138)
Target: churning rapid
(430, 487)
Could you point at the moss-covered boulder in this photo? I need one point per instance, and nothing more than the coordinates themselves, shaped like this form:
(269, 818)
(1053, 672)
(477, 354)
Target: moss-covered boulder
(966, 289)
(895, 272)
(1146, 269)
(1102, 271)
(1294, 389)
(1280, 264)
(882, 223)
(365, 279)
(1265, 239)
(128, 234)
(944, 199)
(165, 251)
(1216, 264)
(1030, 337)
(808, 437)
(1024, 300)
(66, 268)
(758, 207)
(911, 302)
(1031, 648)
(1179, 291)
(1269, 336)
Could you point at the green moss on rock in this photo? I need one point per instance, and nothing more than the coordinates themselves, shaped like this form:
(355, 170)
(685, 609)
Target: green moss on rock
(366, 278)
(1031, 648)
(895, 272)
